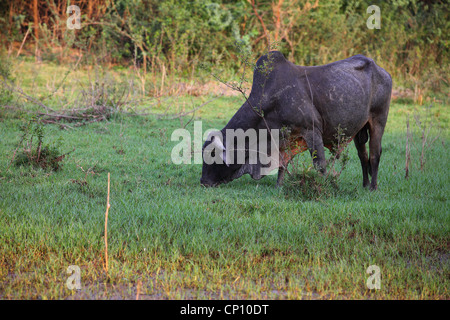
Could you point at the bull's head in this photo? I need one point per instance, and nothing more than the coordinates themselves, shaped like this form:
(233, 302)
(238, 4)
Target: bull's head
(216, 168)
(221, 165)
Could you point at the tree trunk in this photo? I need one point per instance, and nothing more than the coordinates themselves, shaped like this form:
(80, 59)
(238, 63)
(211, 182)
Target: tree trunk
(36, 29)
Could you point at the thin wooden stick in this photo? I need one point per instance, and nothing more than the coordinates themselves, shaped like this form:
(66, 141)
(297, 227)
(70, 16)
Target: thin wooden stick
(24, 39)
(138, 289)
(106, 227)
(162, 80)
(408, 150)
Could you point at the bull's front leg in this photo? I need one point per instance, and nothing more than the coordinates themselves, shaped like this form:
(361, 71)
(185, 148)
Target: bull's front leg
(293, 147)
(281, 172)
(315, 146)
(284, 161)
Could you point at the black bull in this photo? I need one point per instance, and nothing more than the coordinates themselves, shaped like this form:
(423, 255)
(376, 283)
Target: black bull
(314, 104)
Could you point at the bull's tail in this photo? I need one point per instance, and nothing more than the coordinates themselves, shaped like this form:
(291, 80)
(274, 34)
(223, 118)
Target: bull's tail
(362, 137)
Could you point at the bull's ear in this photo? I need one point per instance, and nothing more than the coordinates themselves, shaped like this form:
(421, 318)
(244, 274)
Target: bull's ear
(213, 134)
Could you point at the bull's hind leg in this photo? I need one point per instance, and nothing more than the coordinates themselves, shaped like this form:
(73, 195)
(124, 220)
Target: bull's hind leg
(360, 142)
(376, 129)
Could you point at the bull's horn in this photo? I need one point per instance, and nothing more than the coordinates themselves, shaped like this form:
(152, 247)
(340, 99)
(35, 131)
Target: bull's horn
(224, 158)
(217, 143)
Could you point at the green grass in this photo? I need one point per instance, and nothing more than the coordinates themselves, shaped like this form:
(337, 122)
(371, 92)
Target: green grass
(245, 239)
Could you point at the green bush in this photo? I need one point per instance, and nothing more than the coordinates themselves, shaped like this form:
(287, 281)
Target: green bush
(176, 36)
(34, 152)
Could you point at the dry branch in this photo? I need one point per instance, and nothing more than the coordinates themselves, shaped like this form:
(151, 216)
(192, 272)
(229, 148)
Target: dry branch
(19, 90)
(182, 114)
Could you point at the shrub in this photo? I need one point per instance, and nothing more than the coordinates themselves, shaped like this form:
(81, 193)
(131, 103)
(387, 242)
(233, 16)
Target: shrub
(35, 152)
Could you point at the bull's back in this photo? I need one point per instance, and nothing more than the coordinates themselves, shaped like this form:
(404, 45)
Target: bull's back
(343, 93)
(363, 79)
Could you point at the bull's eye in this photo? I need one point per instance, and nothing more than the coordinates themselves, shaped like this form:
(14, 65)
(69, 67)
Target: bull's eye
(213, 153)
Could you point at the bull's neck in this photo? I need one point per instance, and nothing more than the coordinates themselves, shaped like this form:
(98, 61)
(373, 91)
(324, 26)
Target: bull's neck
(245, 118)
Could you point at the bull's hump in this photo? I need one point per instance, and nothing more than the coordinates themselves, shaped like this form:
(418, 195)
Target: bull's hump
(359, 61)
(274, 57)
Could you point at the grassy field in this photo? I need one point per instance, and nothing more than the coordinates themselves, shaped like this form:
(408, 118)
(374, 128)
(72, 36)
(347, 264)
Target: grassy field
(171, 238)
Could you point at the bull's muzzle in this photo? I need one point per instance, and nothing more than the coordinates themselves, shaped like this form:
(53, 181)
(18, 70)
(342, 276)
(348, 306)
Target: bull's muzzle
(208, 184)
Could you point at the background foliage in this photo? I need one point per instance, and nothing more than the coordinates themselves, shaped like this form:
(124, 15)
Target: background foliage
(175, 36)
